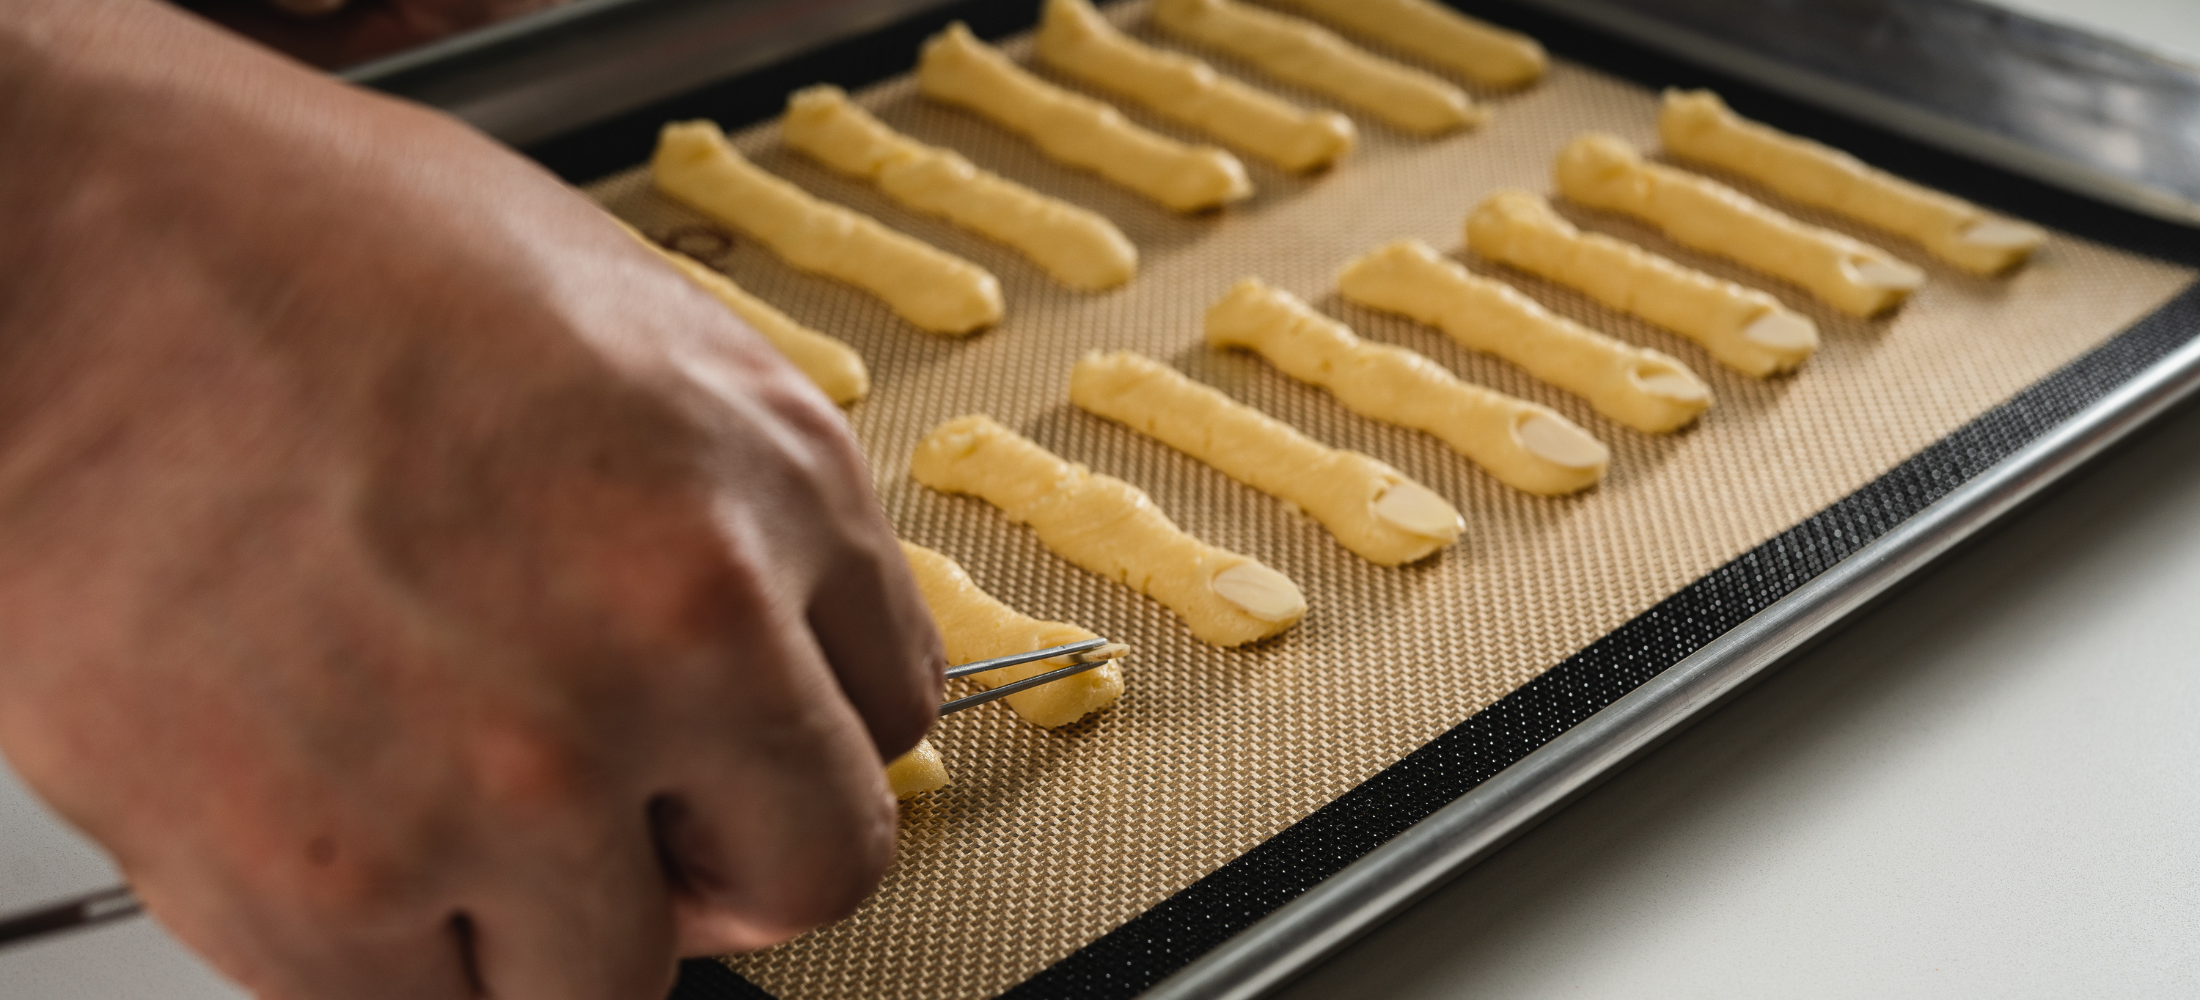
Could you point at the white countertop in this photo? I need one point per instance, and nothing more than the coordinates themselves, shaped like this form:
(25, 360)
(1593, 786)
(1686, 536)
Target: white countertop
(1988, 787)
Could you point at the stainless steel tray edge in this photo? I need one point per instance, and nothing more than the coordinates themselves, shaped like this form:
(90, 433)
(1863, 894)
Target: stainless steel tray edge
(1393, 876)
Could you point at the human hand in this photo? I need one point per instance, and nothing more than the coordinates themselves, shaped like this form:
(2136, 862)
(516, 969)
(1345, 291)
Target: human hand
(421, 591)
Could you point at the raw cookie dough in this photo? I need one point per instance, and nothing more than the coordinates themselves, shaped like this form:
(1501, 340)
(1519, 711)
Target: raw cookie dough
(1077, 130)
(1111, 528)
(833, 366)
(1697, 125)
(1603, 171)
(1076, 39)
(1311, 56)
(1526, 446)
(1369, 507)
(1078, 247)
(1636, 386)
(933, 289)
(1745, 329)
(1487, 54)
(919, 771)
(974, 627)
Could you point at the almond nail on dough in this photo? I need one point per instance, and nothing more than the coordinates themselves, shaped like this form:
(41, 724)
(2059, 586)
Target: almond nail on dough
(1482, 52)
(1525, 446)
(919, 771)
(959, 69)
(1603, 171)
(1747, 330)
(1369, 507)
(1078, 247)
(932, 289)
(1697, 125)
(1636, 386)
(1300, 52)
(1076, 39)
(974, 626)
(833, 366)
(1111, 528)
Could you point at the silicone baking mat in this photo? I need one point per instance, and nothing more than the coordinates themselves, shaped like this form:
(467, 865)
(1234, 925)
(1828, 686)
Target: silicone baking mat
(1047, 841)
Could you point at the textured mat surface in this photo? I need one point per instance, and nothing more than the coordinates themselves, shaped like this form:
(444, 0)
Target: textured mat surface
(1047, 841)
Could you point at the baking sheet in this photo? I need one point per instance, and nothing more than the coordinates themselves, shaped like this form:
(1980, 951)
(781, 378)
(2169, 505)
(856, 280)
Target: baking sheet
(1047, 840)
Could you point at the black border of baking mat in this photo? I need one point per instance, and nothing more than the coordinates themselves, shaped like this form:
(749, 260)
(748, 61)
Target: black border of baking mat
(1158, 942)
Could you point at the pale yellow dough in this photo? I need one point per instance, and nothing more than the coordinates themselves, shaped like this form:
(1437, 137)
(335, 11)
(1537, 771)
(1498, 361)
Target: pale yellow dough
(932, 289)
(1111, 528)
(1747, 330)
(1603, 171)
(1369, 507)
(1527, 447)
(974, 626)
(959, 69)
(1076, 39)
(1639, 387)
(1482, 52)
(834, 366)
(1311, 56)
(1697, 125)
(919, 771)
(1078, 247)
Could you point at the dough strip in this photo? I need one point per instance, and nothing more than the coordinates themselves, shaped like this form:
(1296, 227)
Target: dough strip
(1075, 39)
(1077, 246)
(1369, 507)
(994, 642)
(1747, 330)
(1636, 386)
(1603, 171)
(932, 289)
(1525, 446)
(1480, 51)
(1111, 528)
(1076, 130)
(1300, 52)
(1697, 125)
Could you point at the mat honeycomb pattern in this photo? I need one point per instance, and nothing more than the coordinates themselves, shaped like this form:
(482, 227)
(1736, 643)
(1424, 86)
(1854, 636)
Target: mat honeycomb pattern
(1047, 840)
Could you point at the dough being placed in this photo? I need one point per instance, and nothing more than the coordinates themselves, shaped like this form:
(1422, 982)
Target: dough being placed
(1745, 329)
(1111, 528)
(1311, 56)
(919, 771)
(1482, 52)
(1697, 125)
(834, 366)
(1369, 507)
(1076, 39)
(1636, 386)
(974, 627)
(1527, 447)
(933, 289)
(1078, 247)
(1077, 130)
(1603, 171)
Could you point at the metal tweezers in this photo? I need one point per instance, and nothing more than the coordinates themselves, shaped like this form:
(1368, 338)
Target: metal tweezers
(117, 902)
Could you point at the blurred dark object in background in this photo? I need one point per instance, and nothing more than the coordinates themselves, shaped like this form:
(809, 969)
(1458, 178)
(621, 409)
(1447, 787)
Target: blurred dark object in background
(349, 32)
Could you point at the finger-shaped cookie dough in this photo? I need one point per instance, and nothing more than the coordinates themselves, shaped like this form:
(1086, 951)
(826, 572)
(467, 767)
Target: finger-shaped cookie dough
(932, 289)
(1697, 125)
(974, 626)
(834, 366)
(1077, 246)
(1480, 51)
(1369, 507)
(1745, 329)
(1111, 528)
(1636, 386)
(1077, 130)
(1603, 171)
(1526, 446)
(919, 771)
(1301, 52)
(1076, 39)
